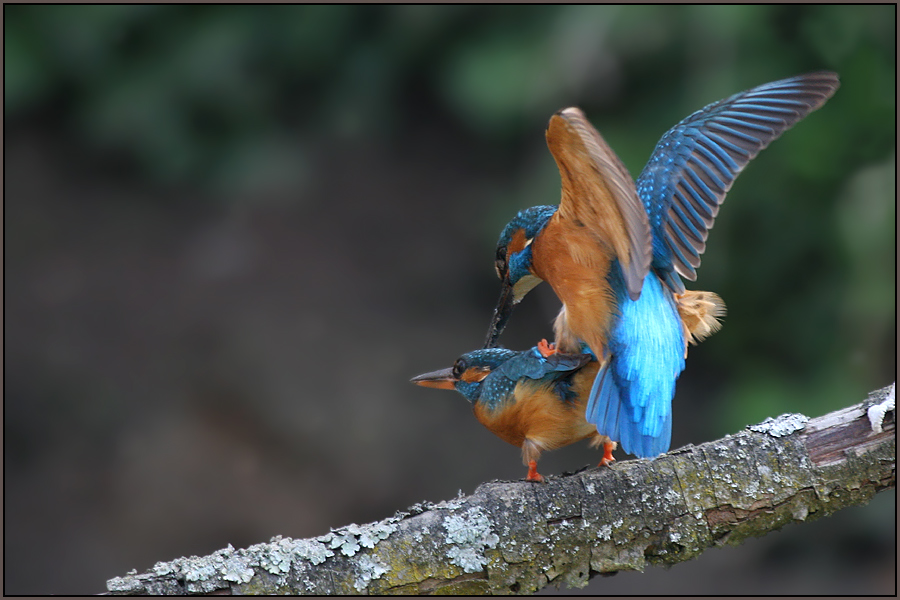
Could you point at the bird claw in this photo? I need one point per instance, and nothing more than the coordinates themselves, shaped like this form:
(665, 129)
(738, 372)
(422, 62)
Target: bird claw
(608, 457)
(547, 349)
(533, 475)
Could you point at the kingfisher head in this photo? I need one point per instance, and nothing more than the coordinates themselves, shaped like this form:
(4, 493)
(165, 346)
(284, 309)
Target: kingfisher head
(514, 264)
(468, 373)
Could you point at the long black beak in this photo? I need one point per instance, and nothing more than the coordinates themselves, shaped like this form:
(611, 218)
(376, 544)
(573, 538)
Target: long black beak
(502, 312)
(442, 380)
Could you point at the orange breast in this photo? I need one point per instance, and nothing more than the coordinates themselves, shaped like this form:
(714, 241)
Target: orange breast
(537, 414)
(575, 263)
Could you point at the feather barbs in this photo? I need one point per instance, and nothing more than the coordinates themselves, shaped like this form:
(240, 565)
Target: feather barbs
(598, 193)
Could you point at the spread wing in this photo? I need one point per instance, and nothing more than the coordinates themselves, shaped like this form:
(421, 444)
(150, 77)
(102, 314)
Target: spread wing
(695, 163)
(598, 193)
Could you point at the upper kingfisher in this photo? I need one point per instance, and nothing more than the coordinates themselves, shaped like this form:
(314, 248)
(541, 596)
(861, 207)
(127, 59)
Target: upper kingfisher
(534, 399)
(615, 251)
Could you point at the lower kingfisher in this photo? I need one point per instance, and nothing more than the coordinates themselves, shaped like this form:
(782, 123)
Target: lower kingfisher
(537, 399)
(534, 399)
(614, 251)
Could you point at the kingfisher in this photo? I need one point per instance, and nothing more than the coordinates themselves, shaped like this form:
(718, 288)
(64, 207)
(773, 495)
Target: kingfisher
(615, 251)
(533, 399)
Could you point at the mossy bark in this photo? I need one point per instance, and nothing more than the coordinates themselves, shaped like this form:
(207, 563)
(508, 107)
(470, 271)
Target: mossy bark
(516, 537)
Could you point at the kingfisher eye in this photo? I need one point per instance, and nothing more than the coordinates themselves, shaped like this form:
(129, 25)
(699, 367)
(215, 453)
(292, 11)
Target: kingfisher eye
(458, 369)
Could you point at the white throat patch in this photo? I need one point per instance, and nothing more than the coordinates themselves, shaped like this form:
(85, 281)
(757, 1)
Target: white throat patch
(523, 286)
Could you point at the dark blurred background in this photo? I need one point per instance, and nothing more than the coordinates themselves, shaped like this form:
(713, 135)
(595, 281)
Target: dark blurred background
(234, 233)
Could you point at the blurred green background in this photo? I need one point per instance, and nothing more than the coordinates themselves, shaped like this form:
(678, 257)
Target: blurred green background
(234, 232)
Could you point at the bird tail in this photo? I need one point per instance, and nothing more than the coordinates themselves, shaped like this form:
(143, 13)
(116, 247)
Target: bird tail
(616, 419)
(631, 398)
(700, 313)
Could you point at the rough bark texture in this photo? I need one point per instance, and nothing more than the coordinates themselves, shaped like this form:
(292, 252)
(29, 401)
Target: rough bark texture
(518, 537)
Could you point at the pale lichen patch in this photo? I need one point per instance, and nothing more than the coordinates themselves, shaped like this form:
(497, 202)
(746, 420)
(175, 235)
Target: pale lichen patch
(469, 535)
(277, 556)
(781, 426)
(672, 496)
(346, 541)
(210, 573)
(457, 502)
(375, 533)
(367, 569)
(238, 570)
(350, 538)
(125, 584)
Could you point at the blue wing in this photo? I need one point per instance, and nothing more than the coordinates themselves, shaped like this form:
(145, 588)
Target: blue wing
(533, 365)
(631, 399)
(695, 163)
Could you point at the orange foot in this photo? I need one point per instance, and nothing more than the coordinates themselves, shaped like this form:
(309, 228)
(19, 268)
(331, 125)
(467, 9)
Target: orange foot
(533, 475)
(608, 458)
(546, 348)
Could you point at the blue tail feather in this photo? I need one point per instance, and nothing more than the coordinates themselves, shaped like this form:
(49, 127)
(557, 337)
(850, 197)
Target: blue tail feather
(631, 399)
(624, 423)
(603, 404)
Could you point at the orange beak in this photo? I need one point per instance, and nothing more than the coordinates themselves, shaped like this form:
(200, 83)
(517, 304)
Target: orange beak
(442, 380)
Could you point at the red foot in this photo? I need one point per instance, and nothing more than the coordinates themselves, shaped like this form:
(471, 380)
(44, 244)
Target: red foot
(546, 348)
(533, 475)
(608, 457)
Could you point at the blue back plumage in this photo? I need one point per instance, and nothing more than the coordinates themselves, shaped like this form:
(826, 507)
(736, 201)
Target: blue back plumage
(509, 368)
(695, 163)
(631, 399)
(534, 365)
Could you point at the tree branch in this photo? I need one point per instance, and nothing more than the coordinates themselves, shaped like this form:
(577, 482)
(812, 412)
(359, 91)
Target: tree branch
(518, 537)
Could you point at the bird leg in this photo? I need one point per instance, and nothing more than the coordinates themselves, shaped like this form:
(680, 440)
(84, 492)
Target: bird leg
(608, 457)
(546, 349)
(608, 447)
(531, 452)
(533, 475)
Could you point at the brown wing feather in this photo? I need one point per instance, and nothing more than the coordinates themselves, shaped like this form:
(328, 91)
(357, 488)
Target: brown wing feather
(599, 194)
